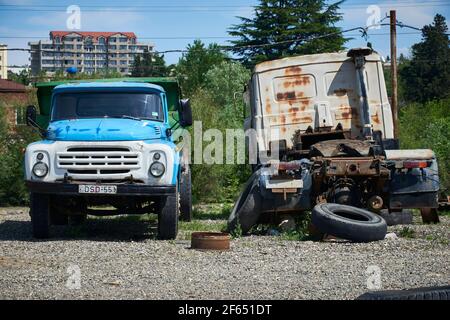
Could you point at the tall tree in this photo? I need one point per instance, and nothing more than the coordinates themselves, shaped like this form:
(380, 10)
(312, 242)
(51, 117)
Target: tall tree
(149, 65)
(194, 64)
(282, 28)
(427, 75)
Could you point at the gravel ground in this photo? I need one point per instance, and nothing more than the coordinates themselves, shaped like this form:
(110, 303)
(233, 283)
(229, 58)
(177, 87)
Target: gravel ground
(119, 259)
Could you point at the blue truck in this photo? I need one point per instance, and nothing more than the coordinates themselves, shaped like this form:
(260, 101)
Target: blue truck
(108, 144)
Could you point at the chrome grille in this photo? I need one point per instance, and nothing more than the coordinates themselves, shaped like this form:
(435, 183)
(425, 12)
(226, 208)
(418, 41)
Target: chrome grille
(98, 160)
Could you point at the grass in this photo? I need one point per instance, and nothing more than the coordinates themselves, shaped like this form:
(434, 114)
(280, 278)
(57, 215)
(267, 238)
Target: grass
(198, 225)
(407, 232)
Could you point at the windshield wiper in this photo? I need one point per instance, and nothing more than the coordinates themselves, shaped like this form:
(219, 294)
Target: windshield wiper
(124, 117)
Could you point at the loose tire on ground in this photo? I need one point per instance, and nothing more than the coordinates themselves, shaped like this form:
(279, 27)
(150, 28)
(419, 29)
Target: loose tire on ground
(428, 293)
(247, 209)
(168, 217)
(186, 195)
(348, 222)
(40, 215)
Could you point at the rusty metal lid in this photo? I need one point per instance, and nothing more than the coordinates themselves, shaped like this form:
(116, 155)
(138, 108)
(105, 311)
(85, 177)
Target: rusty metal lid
(210, 241)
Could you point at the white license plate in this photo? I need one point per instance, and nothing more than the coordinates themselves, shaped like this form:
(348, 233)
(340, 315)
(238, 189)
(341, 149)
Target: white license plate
(100, 189)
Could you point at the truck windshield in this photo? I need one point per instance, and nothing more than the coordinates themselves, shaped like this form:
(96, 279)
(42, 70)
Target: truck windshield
(107, 105)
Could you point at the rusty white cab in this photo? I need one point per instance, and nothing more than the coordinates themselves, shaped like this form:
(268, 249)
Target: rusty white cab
(324, 133)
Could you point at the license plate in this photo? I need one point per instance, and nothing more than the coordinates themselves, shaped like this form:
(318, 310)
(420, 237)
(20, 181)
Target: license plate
(98, 189)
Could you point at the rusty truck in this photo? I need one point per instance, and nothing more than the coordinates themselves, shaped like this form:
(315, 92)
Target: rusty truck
(325, 134)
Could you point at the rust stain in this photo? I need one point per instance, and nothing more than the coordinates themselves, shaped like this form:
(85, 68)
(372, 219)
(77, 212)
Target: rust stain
(345, 112)
(293, 70)
(296, 82)
(283, 129)
(293, 110)
(283, 118)
(304, 104)
(290, 95)
(302, 119)
(376, 118)
(268, 106)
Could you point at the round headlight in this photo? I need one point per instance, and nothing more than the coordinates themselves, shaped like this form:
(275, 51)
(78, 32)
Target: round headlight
(40, 156)
(40, 169)
(156, 156)
(157, 169)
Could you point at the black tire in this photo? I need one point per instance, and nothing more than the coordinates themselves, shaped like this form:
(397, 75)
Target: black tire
(40, 215)
(77, 219)
(186, 195)
(57, 216)
(168, 217)
(247, 209)
(348, 222)
(428, 293)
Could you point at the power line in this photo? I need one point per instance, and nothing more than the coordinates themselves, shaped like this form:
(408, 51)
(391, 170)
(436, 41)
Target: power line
(363, 30)
(200, 37)
(196, 9)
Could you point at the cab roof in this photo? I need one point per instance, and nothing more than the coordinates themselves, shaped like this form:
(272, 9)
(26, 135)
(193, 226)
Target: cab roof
(106, 85)
(169, 85)
(309, 59)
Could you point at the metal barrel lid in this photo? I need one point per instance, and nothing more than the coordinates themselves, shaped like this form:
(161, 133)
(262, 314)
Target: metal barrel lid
(210, 241)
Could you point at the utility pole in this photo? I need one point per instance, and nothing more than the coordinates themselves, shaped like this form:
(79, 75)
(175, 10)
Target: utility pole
(394, 98)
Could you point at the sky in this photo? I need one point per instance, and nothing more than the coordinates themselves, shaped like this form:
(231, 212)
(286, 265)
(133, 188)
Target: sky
(173, 24)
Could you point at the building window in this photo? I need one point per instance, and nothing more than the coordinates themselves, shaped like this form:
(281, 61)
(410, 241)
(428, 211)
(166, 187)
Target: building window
(101, 40)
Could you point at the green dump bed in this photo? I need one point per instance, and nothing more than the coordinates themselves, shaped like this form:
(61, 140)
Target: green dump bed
(44, 93)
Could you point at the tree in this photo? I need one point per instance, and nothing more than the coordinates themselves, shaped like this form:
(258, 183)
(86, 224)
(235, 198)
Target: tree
(23, 77)
(427, 75)
(282, 28)
(194, 64)
(149, 65)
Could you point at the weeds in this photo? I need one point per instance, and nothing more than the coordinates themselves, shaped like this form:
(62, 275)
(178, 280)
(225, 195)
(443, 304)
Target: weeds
(407, 232)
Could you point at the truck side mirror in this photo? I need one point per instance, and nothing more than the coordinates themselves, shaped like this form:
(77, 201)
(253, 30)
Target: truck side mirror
(185, 113)
(31, 116)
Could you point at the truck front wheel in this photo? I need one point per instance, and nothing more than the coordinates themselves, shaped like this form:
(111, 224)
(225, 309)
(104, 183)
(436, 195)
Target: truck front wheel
(40, 215)
(168, 217)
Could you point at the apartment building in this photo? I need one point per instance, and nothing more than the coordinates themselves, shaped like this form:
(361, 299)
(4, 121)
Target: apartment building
(88, 52)
(3, 61)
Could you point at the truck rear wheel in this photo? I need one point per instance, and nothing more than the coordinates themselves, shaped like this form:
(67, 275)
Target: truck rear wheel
(186, 196)
(168, 217)
(40, 215)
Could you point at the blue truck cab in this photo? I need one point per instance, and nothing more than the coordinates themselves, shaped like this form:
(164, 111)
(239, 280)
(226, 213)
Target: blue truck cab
(108, 144)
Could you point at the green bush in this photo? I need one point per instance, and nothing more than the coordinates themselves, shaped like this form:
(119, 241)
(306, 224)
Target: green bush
(428, 126)
(12, 146)
(216, 107)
